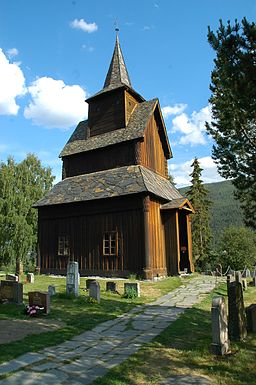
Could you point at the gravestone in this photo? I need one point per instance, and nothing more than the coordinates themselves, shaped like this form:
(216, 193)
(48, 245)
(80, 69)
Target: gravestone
(41, 299)
(72, 285)
(88, 283)
(12, 277)
(11, 291)
(51, 290)
(236, 312)
(94, 291)
(251, 318)
(244, 283)
(30, 278)
(220, 341)
(111, 286)
(135, 286)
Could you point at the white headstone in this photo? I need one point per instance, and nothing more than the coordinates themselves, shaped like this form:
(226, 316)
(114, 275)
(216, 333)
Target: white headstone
(220, 341)
(94, 291)
(30, 278)
(72, 285)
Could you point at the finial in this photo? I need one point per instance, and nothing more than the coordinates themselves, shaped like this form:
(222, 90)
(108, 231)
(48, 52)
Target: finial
(116, 27)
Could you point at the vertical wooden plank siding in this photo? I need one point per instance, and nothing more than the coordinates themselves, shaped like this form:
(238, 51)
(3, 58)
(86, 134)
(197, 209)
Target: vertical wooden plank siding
(156, 239)
(178, 238)
(171, 242)
(189, 234)
(130, 105)
(86, 233)
(152, 153)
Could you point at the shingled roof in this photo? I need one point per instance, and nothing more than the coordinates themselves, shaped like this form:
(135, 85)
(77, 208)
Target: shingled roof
(134, 130)
(111, 183)
(178, 203)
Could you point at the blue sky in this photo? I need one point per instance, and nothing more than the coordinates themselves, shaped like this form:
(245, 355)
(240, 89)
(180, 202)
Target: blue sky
(55, 53)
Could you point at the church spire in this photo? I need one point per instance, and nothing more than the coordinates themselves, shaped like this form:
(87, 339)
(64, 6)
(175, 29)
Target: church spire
(117, 73)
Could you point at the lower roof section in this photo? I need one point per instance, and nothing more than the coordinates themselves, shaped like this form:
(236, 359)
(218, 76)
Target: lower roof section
(110, 183)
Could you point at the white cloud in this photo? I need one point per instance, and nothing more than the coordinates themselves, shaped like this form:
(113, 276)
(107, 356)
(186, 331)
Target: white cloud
(12, 85)
(84, 26)
(11, 52)
(181, 172)
(55, 104)
(173, 110)
(192, 127)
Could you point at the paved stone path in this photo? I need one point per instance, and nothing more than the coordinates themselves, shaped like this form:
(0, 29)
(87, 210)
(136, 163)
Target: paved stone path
(91, 354)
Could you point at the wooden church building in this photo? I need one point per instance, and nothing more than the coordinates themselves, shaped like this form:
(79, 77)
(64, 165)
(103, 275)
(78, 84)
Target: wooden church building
(115, 211)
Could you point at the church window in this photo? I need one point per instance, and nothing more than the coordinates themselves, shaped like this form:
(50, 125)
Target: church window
(63, 245)
(110, 243)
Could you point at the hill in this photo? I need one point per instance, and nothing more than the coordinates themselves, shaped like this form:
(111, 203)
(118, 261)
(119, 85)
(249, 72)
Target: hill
(225, 209)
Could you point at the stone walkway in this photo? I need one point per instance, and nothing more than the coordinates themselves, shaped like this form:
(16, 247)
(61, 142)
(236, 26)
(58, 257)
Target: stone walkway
(91, 354)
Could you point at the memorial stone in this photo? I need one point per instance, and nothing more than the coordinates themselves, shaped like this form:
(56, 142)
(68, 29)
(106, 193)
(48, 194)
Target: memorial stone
(30, 278)
(94, 291)
(51, 290)
(111, 286)
(41, 299)
(11, 291)
(220, 341)
(251, 318)
(135, 286)
(72, 285)
(88, 283)
(236, 312)
(12, 277)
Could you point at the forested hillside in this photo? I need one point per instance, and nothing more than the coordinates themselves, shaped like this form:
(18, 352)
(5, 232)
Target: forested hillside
(225, 209)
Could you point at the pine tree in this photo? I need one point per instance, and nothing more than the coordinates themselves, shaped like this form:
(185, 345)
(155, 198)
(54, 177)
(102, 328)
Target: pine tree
(201, 232)
(233, 101)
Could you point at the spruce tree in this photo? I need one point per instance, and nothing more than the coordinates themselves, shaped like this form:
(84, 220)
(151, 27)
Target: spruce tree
(201, 232)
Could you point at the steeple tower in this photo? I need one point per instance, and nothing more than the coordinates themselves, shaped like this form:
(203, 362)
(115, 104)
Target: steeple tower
(117, 73)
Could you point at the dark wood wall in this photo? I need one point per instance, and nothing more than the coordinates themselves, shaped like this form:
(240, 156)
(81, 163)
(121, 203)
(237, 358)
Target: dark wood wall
(107, 112)
(130, 105)
(85, 224)
(122, 154)
(170, 220)
(152, 153)
(156, 239)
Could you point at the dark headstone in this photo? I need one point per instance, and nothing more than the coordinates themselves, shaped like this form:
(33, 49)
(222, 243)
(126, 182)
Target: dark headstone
(12, 277)
(88, 283)
(41, 299)
(51, 290)
(236, 312)
(251, 318)
(111, 286)
(132, 286)
(220, 342)
(11, 291)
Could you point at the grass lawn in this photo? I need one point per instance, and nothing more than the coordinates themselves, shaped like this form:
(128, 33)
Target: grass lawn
(77, 313)
(184, 348)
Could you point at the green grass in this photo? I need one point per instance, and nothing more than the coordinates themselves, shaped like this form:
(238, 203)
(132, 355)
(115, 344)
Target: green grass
(77, 314)
(184, 348)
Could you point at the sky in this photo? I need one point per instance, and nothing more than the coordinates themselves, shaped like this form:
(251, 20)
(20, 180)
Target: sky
(56, 53)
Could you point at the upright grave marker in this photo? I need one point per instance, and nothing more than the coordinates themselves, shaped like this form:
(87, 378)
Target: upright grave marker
(41, 299)
(30, 278)
(251, 318)
(72, 279)
(94, 291)
(236, 313)
(11, 291)
(111, 286)
(220, 342)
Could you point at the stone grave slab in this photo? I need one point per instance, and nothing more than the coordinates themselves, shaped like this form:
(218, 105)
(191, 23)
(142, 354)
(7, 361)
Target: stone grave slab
(132, 286)
(41, 299)
(11, 291)
(94, 291)
(236, 312)
(12, 277)
(72, 285)
(30, 278)
(88, 283)
(220, 341)
(111, 286)
(251, 318)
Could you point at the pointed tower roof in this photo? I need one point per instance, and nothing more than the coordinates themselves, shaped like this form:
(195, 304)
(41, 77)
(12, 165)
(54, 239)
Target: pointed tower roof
(117, 72)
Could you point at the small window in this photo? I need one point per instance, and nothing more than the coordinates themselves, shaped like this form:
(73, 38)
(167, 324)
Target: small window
(63, 245)
(110, 243)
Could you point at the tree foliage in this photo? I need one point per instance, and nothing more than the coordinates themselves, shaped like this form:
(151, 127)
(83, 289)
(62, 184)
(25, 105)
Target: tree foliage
(237, 248)
(233, 102)
(201, 232)
(21, 185)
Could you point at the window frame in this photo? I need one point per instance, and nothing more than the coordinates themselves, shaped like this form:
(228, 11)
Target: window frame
(63, 245)
(110, 244)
